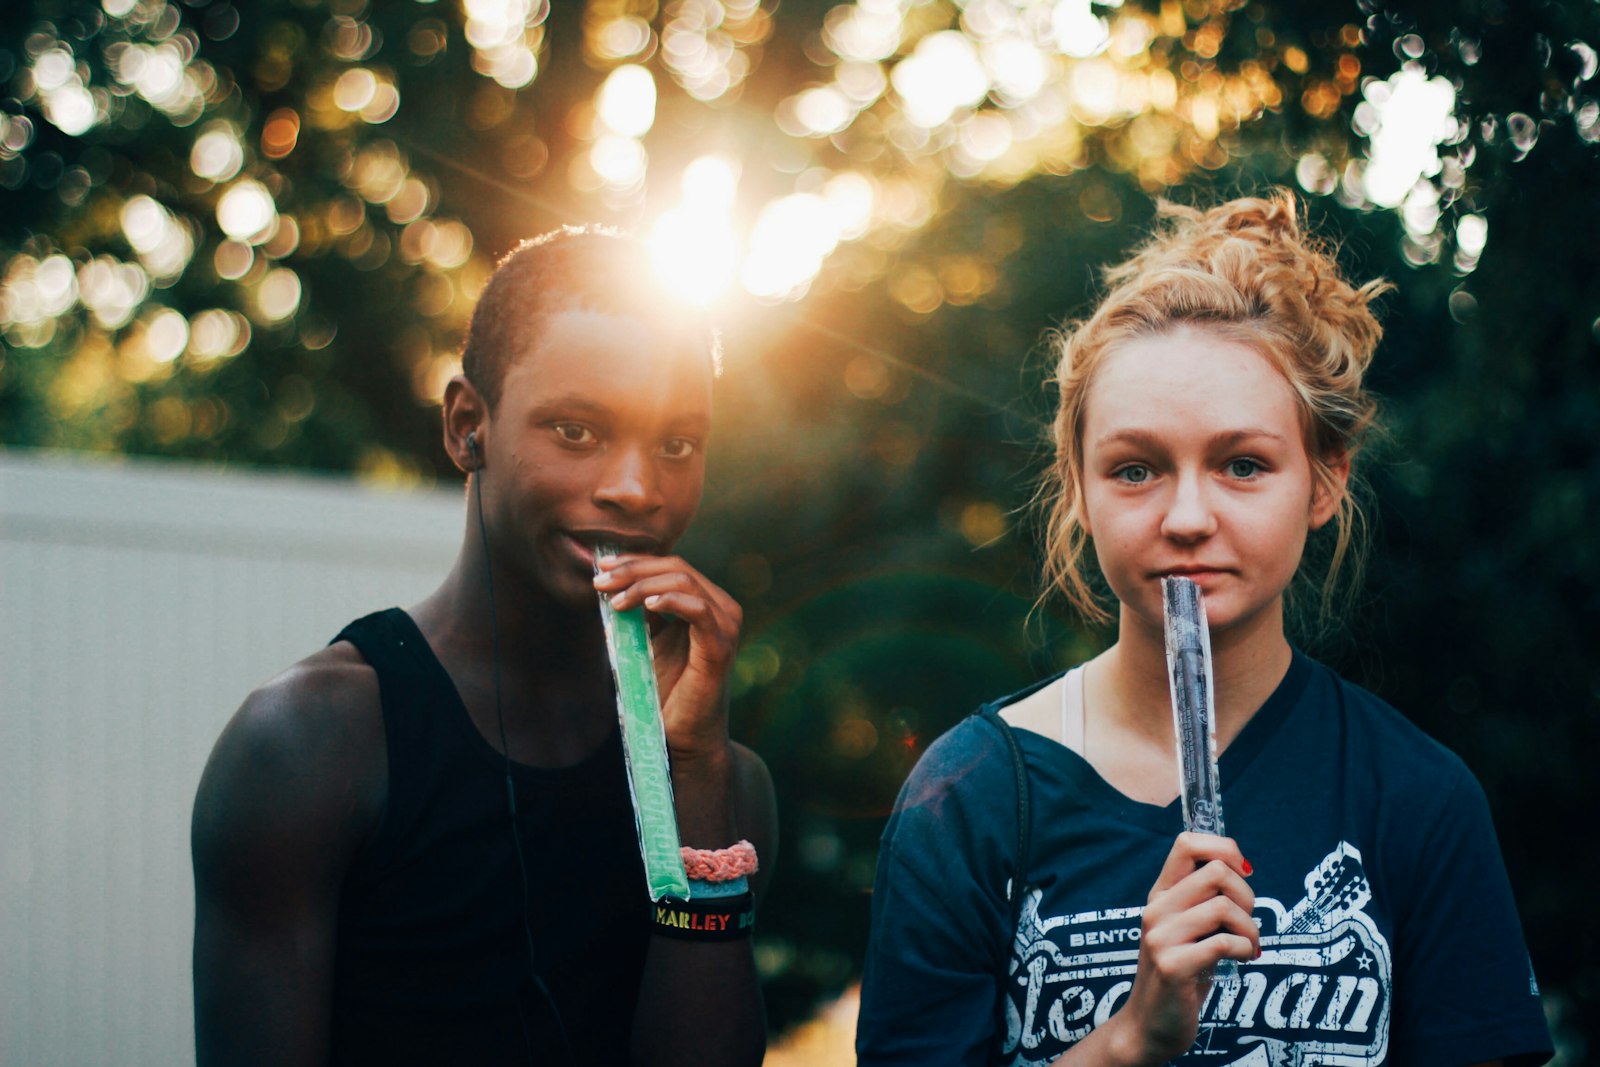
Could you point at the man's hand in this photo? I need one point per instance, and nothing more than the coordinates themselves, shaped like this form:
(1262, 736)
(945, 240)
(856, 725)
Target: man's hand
(695, 636)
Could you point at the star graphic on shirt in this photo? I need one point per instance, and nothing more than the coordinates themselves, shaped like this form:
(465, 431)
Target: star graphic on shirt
(1365, 961)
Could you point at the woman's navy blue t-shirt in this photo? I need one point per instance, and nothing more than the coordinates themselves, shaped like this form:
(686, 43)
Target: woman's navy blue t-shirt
(1389, 934)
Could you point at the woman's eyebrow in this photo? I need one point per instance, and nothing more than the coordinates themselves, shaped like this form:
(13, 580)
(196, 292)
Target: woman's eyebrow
(1151, 439)
(1235, 436)
(1145, 438)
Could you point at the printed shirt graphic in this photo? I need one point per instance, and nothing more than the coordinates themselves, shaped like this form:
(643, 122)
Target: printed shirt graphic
(1319, 994)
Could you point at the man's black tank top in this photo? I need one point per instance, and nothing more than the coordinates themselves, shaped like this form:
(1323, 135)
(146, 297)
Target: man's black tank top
(431, 963)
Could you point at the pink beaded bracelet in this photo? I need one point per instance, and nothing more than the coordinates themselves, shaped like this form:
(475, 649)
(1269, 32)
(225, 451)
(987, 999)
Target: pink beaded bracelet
(720, 865)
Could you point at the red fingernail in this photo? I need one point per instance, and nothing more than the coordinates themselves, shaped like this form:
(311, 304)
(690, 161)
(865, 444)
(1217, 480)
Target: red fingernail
(1258, 952)
(1248, 870)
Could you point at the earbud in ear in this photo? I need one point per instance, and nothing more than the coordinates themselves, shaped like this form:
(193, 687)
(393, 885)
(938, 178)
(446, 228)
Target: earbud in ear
(472, 446)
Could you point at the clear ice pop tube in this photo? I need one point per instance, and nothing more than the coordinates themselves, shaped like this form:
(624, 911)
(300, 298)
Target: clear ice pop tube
(1188, 641)
(644, 744)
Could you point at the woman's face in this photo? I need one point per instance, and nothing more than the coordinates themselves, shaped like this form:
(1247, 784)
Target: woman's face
(1195, 465)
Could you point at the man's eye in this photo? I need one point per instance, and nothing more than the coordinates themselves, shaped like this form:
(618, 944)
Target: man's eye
(1243, 468)
(678, 448)
(1133, 474)
(573, 433)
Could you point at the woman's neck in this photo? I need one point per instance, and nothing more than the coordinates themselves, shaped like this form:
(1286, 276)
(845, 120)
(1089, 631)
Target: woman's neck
(1248, 661)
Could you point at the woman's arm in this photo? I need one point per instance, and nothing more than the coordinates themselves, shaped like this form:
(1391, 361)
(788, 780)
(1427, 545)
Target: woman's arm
(940, 917)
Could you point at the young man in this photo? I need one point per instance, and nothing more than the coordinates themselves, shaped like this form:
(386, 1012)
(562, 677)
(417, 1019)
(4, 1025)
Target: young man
(417, 845)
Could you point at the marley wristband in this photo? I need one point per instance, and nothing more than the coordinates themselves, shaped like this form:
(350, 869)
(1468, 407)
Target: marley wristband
(717, 919)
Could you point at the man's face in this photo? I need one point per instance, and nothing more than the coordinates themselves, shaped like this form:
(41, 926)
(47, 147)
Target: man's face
(599, 436)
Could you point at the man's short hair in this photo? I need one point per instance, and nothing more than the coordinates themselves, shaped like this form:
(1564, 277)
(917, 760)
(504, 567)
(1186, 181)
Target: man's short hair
(588, 268)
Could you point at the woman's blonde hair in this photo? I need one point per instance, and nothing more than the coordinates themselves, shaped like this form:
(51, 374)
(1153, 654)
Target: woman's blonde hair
(1246, 271)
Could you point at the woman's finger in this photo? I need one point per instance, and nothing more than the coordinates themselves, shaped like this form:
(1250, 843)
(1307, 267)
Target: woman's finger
(1219, 914)
(1213, 879)
(1191, 850)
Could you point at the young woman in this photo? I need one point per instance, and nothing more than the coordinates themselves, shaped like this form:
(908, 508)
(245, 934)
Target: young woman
(1210, 411)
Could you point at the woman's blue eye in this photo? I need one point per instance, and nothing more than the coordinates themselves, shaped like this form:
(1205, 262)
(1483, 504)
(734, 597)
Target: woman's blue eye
(1134, 474)
(1243, 468)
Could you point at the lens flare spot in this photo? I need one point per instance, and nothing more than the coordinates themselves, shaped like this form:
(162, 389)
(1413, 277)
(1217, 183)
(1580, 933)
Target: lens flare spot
(355, 89)
(278, 295)
(855, 739)
(791, 238)
(982, 523)
(1077, 30)
(626, 102)
(166, 335)
(695, 249)
(942, 75)
(217, 154)
(621, 162)
(1410, 115)
(247, 211)
(218, 334)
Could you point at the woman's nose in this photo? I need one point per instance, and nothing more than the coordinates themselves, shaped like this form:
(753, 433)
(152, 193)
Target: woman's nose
(1189, 516)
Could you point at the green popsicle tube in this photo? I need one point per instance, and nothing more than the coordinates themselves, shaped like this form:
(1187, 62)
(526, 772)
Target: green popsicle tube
(644, 745)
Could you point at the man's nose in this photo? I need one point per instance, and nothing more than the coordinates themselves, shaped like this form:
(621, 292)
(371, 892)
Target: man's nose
(629, 482)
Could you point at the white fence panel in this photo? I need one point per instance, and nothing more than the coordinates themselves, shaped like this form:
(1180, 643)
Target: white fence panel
(139, 602)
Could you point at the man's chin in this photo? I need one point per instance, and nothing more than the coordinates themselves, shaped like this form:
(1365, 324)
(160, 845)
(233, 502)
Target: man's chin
(574, 592)
(558, 583)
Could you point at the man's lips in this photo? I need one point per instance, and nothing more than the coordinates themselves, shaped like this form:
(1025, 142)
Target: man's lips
(583, 542)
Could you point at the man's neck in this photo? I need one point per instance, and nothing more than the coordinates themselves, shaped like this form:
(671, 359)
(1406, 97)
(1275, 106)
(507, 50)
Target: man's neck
(553, 690)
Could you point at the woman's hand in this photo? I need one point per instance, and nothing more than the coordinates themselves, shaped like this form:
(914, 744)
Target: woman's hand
(694, 636)
(1198, 913)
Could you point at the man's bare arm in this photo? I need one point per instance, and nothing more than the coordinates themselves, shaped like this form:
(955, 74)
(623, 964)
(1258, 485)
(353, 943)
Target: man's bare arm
(701, 1003)
(292, 788)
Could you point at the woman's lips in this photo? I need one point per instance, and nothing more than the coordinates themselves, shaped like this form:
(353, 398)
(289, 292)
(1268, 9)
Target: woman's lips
(1194, 574)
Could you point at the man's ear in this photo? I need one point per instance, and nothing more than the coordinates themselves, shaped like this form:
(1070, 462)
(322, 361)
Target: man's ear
(1329, 488)
(465, 414)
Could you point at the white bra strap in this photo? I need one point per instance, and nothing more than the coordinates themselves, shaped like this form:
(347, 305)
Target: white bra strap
(1072, 710)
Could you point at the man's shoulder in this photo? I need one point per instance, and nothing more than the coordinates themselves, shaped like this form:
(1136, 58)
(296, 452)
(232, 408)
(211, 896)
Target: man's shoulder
(330, 697)
(305, 747)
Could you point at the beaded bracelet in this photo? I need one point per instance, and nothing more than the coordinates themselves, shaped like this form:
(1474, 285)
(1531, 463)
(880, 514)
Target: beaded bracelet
(720, 919)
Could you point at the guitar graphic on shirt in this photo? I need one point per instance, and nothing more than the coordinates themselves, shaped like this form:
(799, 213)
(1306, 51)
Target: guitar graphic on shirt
(1334, 890)
(1319, 993)
(1321, 985)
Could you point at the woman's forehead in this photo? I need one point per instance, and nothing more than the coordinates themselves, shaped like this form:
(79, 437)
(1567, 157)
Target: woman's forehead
(1186, 375)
